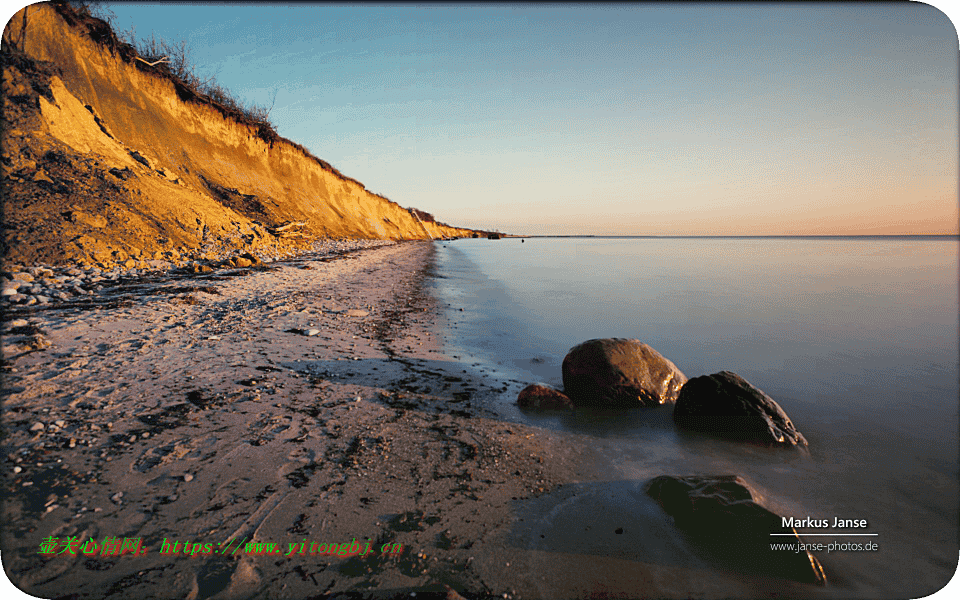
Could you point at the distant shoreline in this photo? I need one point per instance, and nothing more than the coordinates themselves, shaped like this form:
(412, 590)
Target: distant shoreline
(944, 236)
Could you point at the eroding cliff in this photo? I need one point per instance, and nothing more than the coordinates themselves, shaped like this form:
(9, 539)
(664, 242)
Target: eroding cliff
(105, 160)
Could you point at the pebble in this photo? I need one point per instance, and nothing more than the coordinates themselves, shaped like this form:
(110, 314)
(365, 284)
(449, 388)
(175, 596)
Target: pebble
(46, 283)
(188, 477)
(17, 469)
(37, 427)
(116, 497)
(311, 332)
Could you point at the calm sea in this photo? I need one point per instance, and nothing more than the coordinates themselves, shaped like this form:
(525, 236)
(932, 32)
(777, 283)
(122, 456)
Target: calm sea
(856, 338)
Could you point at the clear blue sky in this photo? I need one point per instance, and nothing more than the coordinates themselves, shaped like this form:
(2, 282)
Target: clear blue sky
(611, 119)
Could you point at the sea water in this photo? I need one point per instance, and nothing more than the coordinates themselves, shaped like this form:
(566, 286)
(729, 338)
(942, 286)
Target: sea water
(855, 337)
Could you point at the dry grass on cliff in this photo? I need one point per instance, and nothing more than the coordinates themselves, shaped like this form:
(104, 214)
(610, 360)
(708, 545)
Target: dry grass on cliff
(148, 55)
(169, 60)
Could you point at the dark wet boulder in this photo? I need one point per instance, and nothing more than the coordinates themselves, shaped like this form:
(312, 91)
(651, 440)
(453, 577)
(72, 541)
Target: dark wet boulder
(721, 516)
(619, 373)
(543, 397)
(726, 405)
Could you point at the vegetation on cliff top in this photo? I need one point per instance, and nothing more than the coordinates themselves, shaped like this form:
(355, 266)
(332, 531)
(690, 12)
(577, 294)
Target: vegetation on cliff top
(172, 61)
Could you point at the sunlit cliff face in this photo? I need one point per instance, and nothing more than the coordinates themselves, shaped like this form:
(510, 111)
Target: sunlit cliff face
(161, 174)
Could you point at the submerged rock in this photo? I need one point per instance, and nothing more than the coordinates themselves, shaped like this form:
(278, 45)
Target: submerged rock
(727, 405)
(720, 514)
(544, 397)
(620, 373)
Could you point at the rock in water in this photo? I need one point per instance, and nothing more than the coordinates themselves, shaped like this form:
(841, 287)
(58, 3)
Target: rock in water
(726, 405)
(544, 397)
(720, 515)
(620, 373)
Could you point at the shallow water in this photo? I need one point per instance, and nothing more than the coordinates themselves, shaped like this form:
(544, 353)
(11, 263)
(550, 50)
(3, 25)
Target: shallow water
(856, 338)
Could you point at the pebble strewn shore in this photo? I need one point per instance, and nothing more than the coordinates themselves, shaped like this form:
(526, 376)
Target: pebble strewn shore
(43, 284)
(308, 400)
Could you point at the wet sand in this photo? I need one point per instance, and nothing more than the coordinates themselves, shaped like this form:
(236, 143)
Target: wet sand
(200, 411)
(306, 403)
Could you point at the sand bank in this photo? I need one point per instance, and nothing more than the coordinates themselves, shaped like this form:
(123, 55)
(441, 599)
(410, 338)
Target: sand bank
(304, 403)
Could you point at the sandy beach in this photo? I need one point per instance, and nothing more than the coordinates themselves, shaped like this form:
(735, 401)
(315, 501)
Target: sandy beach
(302, 403)
(308, 428)
(571, 321)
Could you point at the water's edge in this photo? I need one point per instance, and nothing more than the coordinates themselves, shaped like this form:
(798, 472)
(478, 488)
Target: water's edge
(909, 496)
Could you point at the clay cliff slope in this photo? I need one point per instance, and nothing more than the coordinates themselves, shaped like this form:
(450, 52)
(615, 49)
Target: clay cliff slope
(107, 159)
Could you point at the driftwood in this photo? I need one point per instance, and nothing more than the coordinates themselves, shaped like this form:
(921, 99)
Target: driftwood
(156, 62)
(285, 230)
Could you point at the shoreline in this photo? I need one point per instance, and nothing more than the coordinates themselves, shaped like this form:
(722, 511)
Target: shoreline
(332, 400)
(302, 400)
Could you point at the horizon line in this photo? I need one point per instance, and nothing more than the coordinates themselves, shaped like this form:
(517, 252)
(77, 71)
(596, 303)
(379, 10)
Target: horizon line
(819, 235)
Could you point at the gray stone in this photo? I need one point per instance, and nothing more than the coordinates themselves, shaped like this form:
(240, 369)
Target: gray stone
(721, 516)
(619, 373)
(726, 405)
(543, 397)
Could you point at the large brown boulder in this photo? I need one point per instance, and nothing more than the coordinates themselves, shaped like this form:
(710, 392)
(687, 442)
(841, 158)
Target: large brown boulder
(543, 397)
(721, 516)
(620, 373)
(726, 405)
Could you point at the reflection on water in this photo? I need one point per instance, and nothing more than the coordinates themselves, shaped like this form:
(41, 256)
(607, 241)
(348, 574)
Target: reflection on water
(857, 339)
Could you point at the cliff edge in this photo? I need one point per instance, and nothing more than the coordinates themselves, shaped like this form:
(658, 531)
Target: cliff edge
(106, 159)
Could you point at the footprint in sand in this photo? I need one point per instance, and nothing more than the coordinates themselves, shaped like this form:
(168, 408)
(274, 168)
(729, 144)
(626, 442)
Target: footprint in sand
(33, 569)
(158, 455)
(224, 579)
(268, 428)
